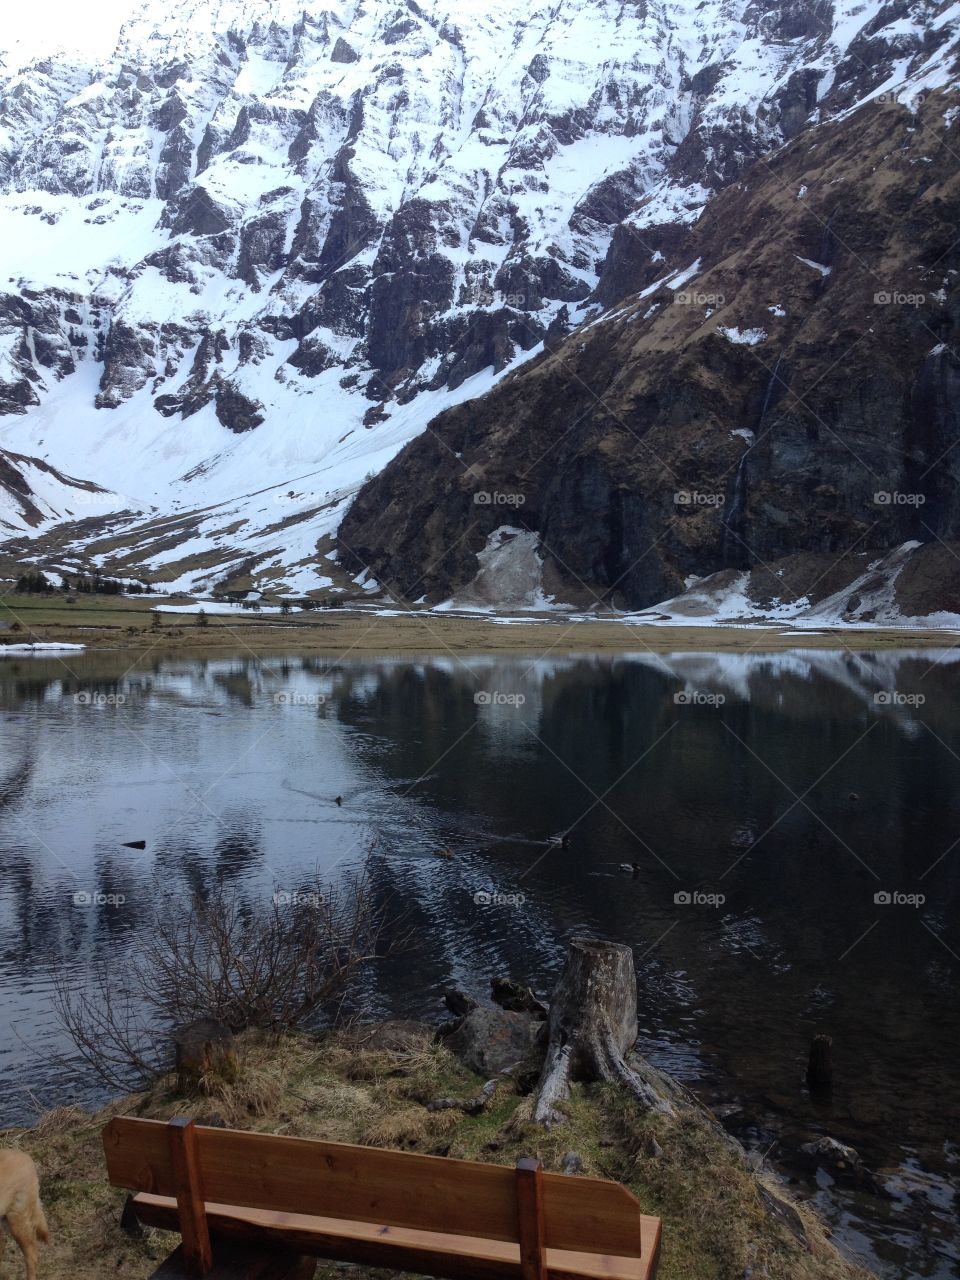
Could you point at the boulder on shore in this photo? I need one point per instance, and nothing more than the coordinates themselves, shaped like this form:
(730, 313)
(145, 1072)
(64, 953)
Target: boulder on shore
(489, 1040)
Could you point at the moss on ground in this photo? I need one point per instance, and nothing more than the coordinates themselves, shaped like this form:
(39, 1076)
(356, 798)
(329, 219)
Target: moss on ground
(345, 1087)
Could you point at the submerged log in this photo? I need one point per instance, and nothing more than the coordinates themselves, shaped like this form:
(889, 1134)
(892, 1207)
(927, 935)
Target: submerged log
(820, 1065)
(592, 1026)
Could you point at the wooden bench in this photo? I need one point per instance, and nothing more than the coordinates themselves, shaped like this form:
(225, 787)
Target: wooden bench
(425, 1214)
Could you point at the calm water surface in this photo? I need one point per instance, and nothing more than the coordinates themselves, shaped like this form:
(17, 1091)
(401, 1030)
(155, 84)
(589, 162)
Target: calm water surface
(795, 787)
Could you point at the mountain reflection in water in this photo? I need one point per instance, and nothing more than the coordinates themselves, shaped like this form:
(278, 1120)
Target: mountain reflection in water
(766, 800)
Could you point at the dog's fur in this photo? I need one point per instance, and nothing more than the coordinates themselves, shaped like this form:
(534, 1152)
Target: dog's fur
(20, 1209)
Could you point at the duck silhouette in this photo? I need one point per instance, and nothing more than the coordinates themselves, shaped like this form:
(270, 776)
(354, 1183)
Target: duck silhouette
(631, 868)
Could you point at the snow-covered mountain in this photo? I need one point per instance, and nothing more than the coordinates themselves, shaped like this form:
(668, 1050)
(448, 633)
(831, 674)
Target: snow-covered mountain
(249, 257)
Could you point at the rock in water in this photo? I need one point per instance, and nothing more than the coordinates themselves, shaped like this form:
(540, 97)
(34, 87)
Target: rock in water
(459, 1002)
(516, 998)
(843, 1163)
(832, 1154)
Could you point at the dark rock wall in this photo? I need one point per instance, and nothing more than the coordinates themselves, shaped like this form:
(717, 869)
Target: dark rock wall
(622, 443)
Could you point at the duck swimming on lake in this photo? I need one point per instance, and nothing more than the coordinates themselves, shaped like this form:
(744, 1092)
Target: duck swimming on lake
(443, 853)
(631, 868)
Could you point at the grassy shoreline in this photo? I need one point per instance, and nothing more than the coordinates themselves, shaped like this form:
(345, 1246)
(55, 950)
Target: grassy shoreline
(126, 625)
(372, 1085)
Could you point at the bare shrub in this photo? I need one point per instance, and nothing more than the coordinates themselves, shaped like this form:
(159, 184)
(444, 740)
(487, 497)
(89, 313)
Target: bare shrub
(271, 966)
(109, 1026)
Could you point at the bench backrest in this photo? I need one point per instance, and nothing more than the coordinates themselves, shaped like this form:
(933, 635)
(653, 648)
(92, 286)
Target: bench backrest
(369, 1184)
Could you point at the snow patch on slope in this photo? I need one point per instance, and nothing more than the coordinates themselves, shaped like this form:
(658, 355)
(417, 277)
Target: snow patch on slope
(868, 602)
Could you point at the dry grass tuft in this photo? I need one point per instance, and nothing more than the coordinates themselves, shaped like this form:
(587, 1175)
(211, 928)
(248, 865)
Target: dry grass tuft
(711, 1200)
(257, 1090)
(411, 1128)
(60, 1121)
(521, 1118)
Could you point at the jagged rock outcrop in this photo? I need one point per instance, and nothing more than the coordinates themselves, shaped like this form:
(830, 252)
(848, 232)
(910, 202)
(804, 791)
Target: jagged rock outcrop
(236, 411)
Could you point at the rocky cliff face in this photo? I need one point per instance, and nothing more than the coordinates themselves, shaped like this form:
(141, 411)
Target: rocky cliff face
(786, 382)
(255, 252)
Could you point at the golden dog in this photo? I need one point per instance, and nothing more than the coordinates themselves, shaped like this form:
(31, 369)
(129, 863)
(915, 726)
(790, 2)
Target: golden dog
(20, 1208)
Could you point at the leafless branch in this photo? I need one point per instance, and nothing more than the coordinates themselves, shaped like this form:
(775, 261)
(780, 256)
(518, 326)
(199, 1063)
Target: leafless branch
(270, 965)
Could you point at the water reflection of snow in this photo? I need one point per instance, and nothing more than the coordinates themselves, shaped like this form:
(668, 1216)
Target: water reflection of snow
(419, 763)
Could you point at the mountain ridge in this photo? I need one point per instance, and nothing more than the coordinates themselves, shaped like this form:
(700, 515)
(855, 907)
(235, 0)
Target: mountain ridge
(266, 242)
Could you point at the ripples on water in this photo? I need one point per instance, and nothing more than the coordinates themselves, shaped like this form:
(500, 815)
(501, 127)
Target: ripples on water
(780, 782)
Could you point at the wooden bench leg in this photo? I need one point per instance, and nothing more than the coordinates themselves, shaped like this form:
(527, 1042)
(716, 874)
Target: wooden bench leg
(236, 1262)
(530, 1220)
(194, 1257)
(197, 1253)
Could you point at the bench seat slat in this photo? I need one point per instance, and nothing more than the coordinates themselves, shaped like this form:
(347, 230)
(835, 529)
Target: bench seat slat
(423, 1252)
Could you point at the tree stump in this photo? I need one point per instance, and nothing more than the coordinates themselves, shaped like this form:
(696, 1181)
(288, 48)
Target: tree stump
(204, 1049)
(592, 1026)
